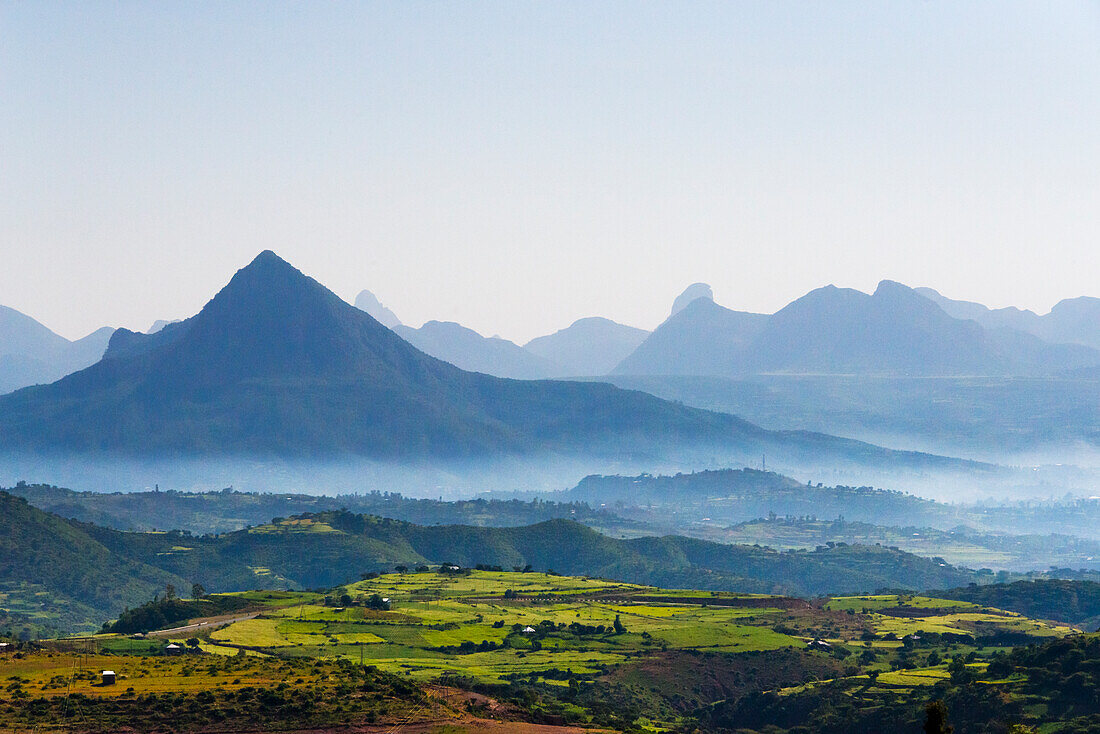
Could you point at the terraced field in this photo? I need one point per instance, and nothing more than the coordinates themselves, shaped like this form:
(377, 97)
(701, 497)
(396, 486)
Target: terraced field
(659, 654)
(495, 626)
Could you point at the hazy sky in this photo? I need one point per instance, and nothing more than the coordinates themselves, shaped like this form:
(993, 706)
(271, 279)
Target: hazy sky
(515, 166)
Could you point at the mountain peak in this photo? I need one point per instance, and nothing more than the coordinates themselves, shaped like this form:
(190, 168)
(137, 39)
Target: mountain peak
(268, 256)
(367, 301)
(693, 292)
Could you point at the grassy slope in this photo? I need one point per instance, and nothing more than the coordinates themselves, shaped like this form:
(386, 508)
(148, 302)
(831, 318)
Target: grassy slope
(106, 570)
(73, 575)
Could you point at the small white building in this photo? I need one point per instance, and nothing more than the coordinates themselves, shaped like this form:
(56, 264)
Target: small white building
(108, 677)
(173, 649)
(528, 630)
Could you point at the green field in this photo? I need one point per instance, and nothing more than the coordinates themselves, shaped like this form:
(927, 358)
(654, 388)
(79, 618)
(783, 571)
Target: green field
(479, 624)
(586, 638)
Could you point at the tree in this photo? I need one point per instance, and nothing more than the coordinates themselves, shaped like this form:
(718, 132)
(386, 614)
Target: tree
(619, 627)
(193, 643)
(960, 674)
(197, 591)
(169, 591)
(935, 721)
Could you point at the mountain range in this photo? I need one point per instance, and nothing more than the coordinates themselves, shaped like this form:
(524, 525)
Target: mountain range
(894, 331)
(589, 346)
(31, 354)
(277, 366)
(1071, 321)
(276, 363)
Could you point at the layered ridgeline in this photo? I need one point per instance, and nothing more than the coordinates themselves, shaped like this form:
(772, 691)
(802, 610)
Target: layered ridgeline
(227, 510)
(83, 569)
(31, 354)
(276, 364)
(729, 506)
(894, 331)
(1071, 321)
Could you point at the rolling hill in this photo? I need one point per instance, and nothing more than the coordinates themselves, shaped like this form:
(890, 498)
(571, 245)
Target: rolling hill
(83, 570)
(53, 572)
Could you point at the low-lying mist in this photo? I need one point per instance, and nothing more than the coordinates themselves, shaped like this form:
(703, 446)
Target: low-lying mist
(549, 473)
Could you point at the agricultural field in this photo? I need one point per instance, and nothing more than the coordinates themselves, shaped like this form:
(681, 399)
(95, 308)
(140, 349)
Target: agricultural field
(493, 626)
(497, 626)
(572, 650)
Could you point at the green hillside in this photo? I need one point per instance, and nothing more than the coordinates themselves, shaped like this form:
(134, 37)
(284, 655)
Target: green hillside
(93, 572)
(54, 574)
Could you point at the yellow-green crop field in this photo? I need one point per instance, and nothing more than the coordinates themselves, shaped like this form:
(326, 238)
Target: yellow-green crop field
(511, 626)
(494, 626)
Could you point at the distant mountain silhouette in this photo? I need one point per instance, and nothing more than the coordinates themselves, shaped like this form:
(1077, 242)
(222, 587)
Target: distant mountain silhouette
(473, 352)
(693, 292)
(702, 338)
(588, 347)
(894, 331)
(277, 364)
(366, 301)
(160, 324)
(31, 354)
(1071, 321)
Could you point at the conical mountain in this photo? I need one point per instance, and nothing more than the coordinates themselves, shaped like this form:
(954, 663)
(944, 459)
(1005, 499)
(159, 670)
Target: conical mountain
(275, 363)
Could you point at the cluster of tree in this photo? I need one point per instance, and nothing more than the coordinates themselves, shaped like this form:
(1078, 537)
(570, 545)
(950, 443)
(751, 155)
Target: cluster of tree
(1054, 684)
(165, 611)
(1075, 602)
